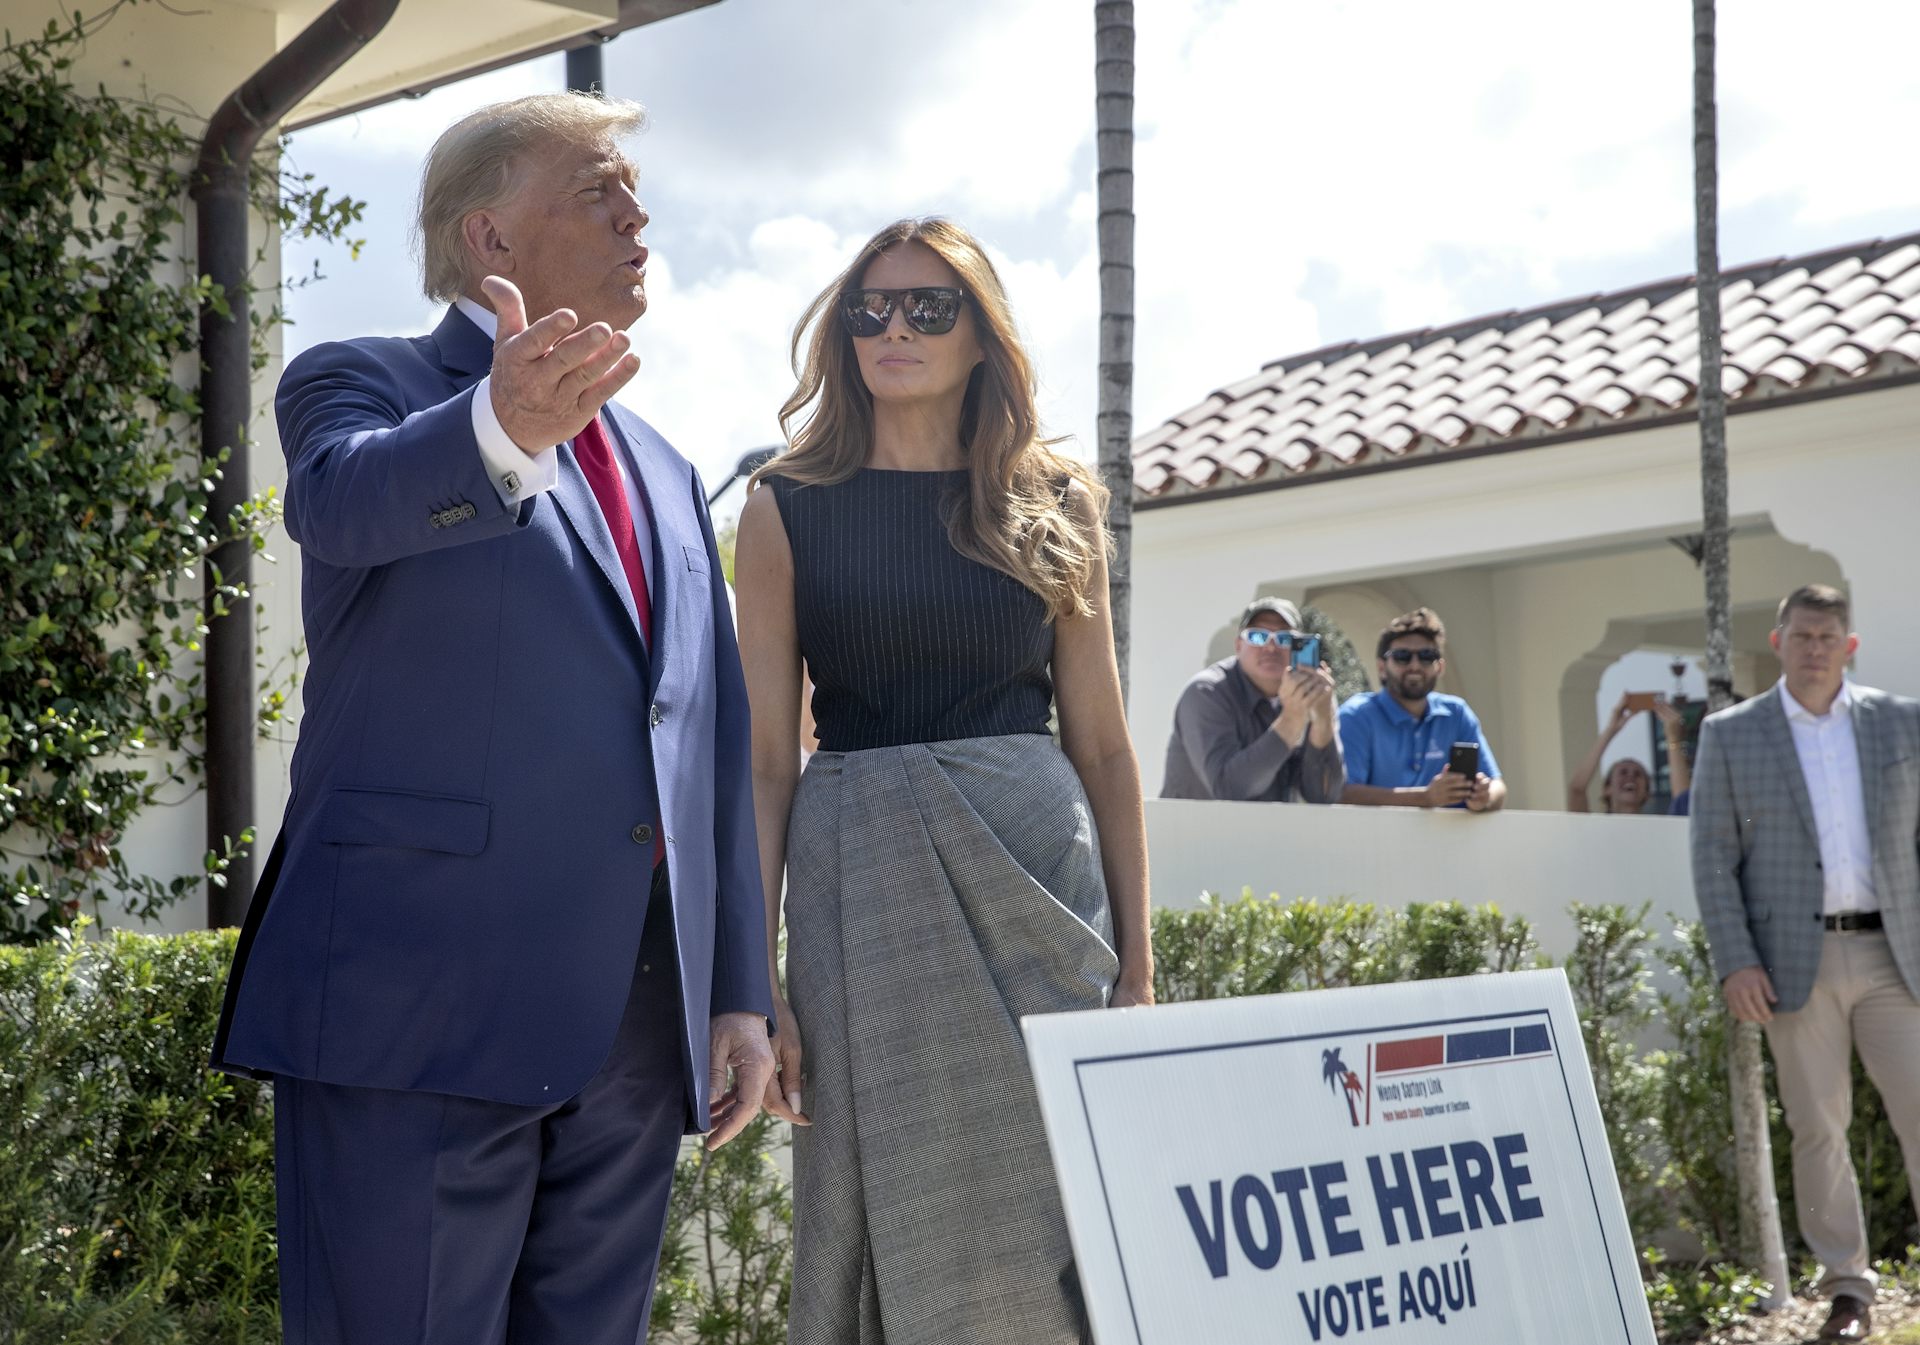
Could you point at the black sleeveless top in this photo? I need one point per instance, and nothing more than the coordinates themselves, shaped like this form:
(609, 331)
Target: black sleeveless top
(908, 641)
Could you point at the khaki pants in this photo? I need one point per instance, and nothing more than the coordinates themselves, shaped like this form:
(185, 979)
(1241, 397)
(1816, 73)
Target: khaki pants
(1858, 1002)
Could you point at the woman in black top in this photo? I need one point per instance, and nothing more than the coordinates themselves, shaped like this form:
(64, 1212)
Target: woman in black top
(940, 574)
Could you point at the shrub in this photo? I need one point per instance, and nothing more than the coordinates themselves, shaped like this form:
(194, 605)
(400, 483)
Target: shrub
(1256, 946)
(1694, 1109)
(1608, 973)
(1697, 1301)
(136, 1186)
(726, 1267)
(136, 1195)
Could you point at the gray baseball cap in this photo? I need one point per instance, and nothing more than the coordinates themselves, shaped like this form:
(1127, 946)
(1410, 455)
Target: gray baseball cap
(1280, 607)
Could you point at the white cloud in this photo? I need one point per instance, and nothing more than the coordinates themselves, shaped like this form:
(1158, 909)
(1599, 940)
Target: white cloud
(1424, 155)
(1821, 119)
(1001, 113)
(714, 367)
(1304, 173)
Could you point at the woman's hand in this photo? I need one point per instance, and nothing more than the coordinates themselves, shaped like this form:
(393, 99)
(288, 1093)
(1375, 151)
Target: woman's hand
(1131, 991)
(783, 1089)
(1670, 718)
(1621, 714)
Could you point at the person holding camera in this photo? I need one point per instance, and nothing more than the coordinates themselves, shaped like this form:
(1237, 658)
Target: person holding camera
(1410, 746)
(1628, 784)
(1259, 726)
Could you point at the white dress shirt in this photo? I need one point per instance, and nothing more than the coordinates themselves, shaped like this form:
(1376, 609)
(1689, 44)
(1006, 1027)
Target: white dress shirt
(516, 475)
(1830, 763)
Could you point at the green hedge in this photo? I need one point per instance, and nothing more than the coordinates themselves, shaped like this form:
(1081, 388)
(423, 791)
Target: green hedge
(136, 1192)
(136, 1185)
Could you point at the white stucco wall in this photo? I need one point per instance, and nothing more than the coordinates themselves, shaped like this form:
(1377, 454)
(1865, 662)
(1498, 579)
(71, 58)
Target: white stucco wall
(1533, 864)
(1533, 558)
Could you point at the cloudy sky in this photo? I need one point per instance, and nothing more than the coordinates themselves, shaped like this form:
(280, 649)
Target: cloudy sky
(1305, 172)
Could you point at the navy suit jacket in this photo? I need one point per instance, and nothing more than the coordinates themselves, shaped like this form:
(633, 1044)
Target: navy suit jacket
(456, 899)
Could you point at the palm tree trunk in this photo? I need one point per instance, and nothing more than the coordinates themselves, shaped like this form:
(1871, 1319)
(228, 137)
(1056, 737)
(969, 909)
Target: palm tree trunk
(1113, 112)
(1760, 1237)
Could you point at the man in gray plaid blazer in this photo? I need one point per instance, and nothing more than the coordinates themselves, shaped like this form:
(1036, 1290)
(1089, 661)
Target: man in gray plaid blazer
(1806, 865)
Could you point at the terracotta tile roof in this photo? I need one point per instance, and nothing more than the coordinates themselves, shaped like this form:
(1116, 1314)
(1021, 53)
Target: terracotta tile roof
(1842, 320)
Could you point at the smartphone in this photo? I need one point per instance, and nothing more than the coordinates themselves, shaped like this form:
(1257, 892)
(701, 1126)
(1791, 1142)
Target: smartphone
(1464, 759)
(1306, 651)
(1641, 700)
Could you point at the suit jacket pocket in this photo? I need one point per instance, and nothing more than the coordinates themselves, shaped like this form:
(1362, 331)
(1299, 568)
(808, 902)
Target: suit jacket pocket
(696, 558)
(400, 820)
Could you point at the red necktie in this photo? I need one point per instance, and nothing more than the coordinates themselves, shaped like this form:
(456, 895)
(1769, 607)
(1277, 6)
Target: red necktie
(595, 452)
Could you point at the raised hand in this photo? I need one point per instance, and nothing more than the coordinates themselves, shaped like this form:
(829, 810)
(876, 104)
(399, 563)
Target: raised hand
(1296, 706)
(1621, 714)
(1670, 717)
(548, 380)
(1320, 695)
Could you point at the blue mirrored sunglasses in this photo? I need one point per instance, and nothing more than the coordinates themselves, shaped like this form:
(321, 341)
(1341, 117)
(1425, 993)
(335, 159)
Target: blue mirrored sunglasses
(1260, 637)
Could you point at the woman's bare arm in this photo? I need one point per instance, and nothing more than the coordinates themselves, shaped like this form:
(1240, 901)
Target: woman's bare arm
(770, 656)
(1093, 733)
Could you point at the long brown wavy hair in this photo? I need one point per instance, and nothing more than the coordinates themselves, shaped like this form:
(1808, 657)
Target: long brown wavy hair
(1016, 518)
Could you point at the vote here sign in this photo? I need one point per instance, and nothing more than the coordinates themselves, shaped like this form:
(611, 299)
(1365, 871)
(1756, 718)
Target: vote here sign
(1403, 1164)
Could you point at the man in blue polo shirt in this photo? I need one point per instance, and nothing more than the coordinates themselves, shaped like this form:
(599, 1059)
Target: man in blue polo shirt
(1399, 740)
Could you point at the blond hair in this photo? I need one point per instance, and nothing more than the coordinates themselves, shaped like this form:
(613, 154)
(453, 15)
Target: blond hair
(1017, 518)
(472, 166)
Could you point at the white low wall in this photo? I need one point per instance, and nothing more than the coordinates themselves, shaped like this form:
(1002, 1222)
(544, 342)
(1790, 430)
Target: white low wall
(1528, 863)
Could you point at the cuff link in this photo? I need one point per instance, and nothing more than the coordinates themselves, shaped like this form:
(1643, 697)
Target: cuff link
(511, 483)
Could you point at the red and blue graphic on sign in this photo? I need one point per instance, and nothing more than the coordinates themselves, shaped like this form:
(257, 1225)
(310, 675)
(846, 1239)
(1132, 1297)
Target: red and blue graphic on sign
(1406, 1055)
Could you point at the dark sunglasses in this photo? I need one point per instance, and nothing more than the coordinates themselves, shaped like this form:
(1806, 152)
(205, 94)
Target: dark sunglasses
(930, 310)
(1405, 656)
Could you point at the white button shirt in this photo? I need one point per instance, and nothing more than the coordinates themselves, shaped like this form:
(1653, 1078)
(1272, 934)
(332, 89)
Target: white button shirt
(1830, 763)
(517, 476)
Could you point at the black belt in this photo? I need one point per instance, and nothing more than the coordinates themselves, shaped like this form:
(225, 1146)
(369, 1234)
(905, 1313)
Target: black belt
(1853, 920)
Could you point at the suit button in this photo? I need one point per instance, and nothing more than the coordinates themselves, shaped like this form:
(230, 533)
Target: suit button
(654, 717)
(643, 834)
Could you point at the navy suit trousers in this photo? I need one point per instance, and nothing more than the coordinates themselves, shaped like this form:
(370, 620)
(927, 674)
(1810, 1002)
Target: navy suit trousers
(412, 1218)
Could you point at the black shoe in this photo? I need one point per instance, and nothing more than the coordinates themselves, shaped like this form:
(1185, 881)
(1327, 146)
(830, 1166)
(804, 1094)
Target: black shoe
(1850, 1320)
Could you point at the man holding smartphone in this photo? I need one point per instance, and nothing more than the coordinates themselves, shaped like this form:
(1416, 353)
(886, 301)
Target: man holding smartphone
(1410, 746)
(1259, 726)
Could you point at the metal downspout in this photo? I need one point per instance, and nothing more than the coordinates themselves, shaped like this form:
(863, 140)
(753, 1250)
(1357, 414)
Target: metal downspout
(226, 385)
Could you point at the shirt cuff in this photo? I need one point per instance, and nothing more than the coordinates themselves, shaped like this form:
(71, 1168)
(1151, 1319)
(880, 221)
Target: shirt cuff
(516, 475)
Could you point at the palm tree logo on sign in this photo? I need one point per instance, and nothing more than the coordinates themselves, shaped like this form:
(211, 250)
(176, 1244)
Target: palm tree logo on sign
(1342, 1081)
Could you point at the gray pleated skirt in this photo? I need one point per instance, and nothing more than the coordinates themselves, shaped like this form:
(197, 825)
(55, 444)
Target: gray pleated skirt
(936, 893)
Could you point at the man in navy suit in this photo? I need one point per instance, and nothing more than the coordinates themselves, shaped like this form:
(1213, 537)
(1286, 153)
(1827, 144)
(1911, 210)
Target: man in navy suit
(510, 945)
